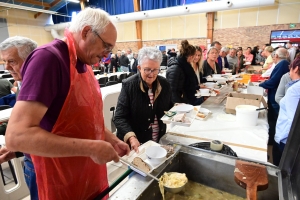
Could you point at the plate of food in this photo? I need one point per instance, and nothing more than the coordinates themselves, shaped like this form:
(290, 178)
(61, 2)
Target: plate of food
(182, 120)
(203, 114)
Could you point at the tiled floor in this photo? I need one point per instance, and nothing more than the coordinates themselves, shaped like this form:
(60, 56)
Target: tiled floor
(114, 171)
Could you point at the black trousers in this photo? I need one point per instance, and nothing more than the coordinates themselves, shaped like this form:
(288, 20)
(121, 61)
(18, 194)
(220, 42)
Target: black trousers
(272, 119)
(277, 152)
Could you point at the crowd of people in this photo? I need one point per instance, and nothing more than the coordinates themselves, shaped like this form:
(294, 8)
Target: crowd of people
(58, 122)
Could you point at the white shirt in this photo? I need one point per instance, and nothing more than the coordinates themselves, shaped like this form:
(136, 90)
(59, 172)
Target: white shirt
(269, 71)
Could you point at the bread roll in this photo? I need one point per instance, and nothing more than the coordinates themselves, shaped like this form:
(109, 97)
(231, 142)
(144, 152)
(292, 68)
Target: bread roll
(140, 164)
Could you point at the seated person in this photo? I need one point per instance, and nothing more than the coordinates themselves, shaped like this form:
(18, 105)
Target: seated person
(6, 88)
(143, 99)
(210, 66)
(222, 59)
(232, 58)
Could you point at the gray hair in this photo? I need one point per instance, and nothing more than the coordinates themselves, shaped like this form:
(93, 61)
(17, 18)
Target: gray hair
(24, 45)
(233, 49)
(97, 19)
(213, 47)
(282, 53)
(224, 49)
(113, 56)
(149, 53)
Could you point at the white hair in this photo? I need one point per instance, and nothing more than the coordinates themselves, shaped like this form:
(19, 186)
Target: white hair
(24, 45)
(282, 53)
(149, 53)
(224, 49)
(97, 19)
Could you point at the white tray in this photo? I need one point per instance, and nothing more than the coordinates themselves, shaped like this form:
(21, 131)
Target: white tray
(143, 156)
(168, 120)
(206, 112)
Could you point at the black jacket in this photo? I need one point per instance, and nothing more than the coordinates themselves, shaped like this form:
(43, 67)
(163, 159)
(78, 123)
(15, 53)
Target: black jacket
(164, 60)
(134, 112)
(176, 78)
(124, 61)
(113, 64)
(172, 54)
(207, 70)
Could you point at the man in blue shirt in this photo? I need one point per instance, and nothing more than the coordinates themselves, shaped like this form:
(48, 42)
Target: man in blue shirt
(282, 67)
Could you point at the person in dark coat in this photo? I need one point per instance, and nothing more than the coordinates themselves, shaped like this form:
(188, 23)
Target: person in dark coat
(164, 61)
(113, 66)
(210, 66)
(143, 99)
(181, 76)
(281, 68)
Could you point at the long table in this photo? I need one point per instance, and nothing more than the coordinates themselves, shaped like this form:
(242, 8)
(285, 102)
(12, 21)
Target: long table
(247, 142)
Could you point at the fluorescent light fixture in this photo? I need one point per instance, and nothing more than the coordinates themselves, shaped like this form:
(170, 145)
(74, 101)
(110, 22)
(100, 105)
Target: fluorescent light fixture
(74, 1)
(9, 5)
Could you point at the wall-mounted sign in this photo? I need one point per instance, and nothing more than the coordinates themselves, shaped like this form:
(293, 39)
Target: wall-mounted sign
(292, 25)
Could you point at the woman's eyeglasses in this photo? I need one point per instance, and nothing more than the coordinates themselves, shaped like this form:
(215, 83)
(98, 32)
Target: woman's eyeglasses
(149, 71)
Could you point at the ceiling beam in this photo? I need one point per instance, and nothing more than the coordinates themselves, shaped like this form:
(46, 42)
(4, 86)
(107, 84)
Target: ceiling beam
(47, 8)
(138, 24)
(37, 3)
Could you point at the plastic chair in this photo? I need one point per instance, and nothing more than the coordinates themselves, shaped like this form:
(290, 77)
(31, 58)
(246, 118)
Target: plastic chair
(20, 190)
(111, 83)
(113, 78)
(103, 80)
(122, 77)
(110, 101)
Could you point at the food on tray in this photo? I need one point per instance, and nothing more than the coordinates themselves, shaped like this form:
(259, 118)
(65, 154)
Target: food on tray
(179, 117)
(196, 109)
(216, 145)
(201, 115)
(169, 148)
(139, 163)
(170, 113)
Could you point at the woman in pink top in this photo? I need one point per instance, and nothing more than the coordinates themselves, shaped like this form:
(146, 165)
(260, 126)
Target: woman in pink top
(248, 55)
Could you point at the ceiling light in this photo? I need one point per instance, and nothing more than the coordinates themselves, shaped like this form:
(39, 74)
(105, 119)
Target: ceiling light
(74, 1)
(9, 5)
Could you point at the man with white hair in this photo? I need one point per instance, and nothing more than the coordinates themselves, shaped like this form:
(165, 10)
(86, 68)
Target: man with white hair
(13, 52)
(58, 117)
(282, 67)
(222, 59)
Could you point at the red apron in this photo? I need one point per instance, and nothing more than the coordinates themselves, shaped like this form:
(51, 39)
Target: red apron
(81, 117)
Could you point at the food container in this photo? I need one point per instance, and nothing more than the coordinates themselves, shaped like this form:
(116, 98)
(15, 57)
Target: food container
(204, 91)
(156, 154)
(246, 115)
(210, 84)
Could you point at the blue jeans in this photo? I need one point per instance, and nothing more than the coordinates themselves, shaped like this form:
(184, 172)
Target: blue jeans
(124, 69)
(30, 178)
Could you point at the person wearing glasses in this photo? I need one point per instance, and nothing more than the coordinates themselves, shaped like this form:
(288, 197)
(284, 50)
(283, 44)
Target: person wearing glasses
(143, 99)
(58, 118)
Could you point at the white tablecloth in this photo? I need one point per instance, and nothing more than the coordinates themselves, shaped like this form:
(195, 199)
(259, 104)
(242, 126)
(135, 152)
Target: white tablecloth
(110, 74)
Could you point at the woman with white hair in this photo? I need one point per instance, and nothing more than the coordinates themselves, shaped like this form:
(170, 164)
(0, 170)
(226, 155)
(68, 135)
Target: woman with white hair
(143, 99)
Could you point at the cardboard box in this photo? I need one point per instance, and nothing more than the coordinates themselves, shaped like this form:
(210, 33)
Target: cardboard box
(235, 99)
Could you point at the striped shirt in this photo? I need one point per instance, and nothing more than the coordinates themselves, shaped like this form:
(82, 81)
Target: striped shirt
(155, 127)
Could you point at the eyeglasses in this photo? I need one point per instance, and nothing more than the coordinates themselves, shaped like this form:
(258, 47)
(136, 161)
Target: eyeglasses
(149, 71)
(10, 62)
(107, 47)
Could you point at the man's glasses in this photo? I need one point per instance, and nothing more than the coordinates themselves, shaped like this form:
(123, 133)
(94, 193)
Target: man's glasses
(107, 47)
(149, 71)
(10, 62)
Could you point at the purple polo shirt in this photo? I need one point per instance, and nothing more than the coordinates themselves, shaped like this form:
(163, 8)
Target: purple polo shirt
(46, 79)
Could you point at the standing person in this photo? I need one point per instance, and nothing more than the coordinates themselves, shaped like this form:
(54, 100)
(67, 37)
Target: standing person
(134, 64)
(118, 56)
(292, 51)
(106, 61)
(197, 64)
(179, 70)
(124, 62)
(164, 62)
(210, 66)
(113, 66)
(172, 53)
(14, 51)
(130, 57)
(143, 99)
(53, 119)
(288, 107)
(282, 67)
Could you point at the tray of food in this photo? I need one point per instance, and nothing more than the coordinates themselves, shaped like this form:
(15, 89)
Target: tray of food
(207, 92)
(151, 155)
(181, 114)
(203, 114)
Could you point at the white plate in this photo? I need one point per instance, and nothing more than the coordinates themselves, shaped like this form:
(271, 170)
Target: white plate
(190, 121)
(183, 108)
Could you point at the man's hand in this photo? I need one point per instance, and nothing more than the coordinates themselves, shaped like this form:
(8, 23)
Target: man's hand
(103, 152)
(6, 155)
(121, 148)
(134, 143)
